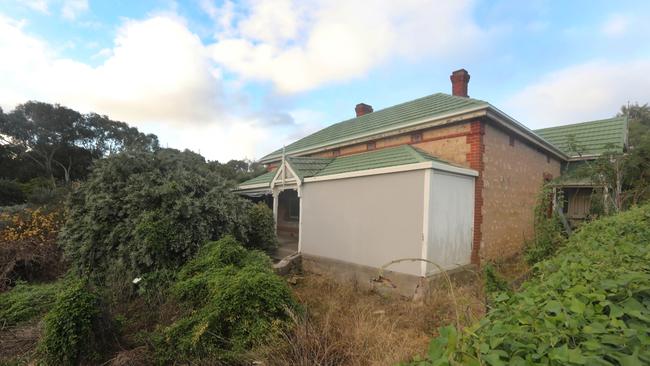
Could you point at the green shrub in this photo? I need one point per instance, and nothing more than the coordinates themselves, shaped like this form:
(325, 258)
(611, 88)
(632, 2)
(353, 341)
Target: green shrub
(548, 237)
(588, 305)
(262, 232)
(494, 283)
(39, 191)
(149, 212)
(10, 193)
(234, 302)
(70, 327)
(26, 301)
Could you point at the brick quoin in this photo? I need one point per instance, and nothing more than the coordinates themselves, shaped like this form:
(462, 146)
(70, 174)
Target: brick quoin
(475, 160)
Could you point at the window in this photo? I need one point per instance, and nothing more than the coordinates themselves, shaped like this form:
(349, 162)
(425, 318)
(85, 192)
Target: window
(336, 152)
(416, 137)
(371, 145)
(548, 159)
(512, 140)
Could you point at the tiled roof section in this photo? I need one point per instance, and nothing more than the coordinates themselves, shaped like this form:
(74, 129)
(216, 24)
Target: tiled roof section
(306, 166)
(264, 178)
(435, 105)
(591, 138)
(382, 158)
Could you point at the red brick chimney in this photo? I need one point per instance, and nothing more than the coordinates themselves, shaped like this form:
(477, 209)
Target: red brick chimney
(459, 80)
(362, 108)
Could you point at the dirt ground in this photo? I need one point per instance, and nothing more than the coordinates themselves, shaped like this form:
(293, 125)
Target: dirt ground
(18, 342)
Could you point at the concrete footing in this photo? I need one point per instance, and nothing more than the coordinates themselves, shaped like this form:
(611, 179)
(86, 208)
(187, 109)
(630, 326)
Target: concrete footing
(390, 283)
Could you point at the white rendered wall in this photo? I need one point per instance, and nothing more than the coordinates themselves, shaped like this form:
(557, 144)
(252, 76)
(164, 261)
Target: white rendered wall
(369, 220)
(451, 220)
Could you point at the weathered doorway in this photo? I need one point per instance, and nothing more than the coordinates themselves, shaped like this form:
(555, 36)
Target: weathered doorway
(288, 220)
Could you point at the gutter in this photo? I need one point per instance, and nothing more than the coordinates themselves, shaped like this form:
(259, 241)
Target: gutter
(396, 169)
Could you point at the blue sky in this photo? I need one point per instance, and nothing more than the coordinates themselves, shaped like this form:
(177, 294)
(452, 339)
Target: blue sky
(239, 79)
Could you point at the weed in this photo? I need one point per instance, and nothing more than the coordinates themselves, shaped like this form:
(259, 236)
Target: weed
(234, 303)
(27, 301)
(74, 329)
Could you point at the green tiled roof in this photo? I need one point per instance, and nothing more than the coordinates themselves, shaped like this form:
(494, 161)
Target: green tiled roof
(264, 178)
(435, 105)
(306, 166)
(591, 138)
(382, 158)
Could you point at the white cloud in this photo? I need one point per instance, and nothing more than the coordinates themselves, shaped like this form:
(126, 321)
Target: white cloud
(38, 5)
(582, 92)
(299, 45)
(158, 76)
(156, 70)
(616, 25)
(71, 9)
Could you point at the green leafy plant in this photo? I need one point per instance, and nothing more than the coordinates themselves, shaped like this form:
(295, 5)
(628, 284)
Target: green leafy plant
(70, 327)
(494, 283)
(588, 305)
(262, 232)
(234, 302)
(548, 237)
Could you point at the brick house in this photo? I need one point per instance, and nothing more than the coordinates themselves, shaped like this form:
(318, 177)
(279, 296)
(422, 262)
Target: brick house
(445, 177)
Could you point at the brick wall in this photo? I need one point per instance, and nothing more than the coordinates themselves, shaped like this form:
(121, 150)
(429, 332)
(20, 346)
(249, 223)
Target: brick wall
(475, 160)
(512, 178)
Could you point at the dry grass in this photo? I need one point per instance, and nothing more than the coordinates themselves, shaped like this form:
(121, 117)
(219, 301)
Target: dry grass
(344, 325)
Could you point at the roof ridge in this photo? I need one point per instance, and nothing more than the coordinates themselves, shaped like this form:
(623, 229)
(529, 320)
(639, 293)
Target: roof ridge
(411, 101)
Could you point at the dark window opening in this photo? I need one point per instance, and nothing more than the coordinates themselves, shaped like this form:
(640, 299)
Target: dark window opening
(294, 209)
(548, 159)
(512, 141)
(336, 152)
(371, 145)
(416, 137)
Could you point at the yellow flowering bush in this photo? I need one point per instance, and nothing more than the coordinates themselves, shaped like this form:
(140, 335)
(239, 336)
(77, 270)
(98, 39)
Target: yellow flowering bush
(28, 245)
(31, 224)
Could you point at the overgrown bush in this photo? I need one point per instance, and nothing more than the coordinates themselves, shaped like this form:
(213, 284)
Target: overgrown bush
(10, 193)
(74, 330)
(28, 247)
(39, 191)
(548, 237)
(234, 302)
(262, 232)
(27, 301)
(149, 212)
(588, 305)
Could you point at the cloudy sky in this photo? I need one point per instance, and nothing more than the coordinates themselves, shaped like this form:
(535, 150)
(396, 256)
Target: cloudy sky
(239, 79)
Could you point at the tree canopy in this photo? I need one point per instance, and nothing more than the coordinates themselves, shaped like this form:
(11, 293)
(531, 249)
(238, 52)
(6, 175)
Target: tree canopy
(59, 142)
